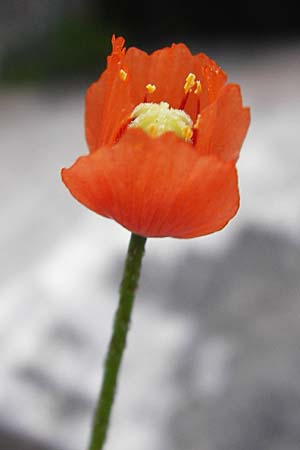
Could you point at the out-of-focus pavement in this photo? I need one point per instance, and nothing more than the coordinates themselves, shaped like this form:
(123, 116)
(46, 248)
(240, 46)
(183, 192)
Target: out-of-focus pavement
(213, 359)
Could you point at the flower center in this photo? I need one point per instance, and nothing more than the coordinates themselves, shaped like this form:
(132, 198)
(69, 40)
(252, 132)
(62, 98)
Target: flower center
(158, 118)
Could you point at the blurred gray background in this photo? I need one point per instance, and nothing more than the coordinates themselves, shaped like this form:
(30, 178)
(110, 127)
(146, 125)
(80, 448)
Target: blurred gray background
(213, 358)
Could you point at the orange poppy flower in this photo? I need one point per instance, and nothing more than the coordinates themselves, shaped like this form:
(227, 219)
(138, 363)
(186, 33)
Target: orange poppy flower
(164, 132)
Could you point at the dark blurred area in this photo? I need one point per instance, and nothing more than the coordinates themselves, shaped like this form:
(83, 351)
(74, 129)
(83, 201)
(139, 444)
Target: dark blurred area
(222, 20)
(57, 39)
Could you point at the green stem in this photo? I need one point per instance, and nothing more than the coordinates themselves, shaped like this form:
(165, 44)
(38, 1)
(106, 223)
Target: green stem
(118, 341)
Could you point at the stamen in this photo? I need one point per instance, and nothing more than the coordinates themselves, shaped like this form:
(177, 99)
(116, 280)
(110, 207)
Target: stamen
(197, 123)
(198, 88)
(121, 130)
(123, 74)
(152, 129)
(151, 88)
(187, 133)
(189, 82)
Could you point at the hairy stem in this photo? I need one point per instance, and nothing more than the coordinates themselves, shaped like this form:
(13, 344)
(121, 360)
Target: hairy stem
(117, 344)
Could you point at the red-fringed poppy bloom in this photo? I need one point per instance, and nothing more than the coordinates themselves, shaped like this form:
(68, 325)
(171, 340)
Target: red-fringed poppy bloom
(164, 132)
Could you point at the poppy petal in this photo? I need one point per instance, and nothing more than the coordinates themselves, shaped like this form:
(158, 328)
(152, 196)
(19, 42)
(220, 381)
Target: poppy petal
(212, 79)
(156, 186)
(103, 115)
(167, 69)
(223, 125)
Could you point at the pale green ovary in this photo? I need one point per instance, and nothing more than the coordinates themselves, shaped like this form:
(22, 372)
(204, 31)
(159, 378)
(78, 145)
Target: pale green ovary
(158, 118)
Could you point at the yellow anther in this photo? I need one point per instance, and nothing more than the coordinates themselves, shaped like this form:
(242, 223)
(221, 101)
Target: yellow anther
(152, 129)
(187, 133)
(123, 74)
(151, 88)
(198, 88)
(197, 123)
(189, 82)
